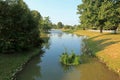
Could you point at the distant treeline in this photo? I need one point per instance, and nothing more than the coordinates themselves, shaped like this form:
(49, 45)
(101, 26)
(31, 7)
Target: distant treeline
(99, 14)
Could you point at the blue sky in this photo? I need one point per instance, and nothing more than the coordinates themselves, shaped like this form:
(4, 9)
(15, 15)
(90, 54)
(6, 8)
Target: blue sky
(57, 10)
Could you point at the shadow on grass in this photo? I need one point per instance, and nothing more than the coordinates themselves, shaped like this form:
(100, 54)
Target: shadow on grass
(100, 44)
(105, 35)
(112, 34)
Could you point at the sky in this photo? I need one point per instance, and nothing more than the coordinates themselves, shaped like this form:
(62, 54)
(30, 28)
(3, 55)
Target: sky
(58, 10)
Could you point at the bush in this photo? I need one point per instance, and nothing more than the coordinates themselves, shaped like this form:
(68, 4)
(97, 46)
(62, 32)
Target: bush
(71, 59)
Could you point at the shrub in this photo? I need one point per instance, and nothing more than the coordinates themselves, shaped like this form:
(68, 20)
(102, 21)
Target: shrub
(70, 59)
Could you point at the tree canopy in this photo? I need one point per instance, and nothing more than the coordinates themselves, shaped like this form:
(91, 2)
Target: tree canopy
(46, 24)
(60, 25)
(19, 26)
(102, 14)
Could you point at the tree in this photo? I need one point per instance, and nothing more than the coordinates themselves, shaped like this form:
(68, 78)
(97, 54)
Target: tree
(99, 14)
(18, 26)
(46, 24)
(35, 32)
(88, 13)
(108, 14)
(60, 25)
(54, 26)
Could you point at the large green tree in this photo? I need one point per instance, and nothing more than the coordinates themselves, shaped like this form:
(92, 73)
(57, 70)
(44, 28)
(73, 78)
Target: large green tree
(18, 26)
(100, 14)
(46, 24)
(109, 14)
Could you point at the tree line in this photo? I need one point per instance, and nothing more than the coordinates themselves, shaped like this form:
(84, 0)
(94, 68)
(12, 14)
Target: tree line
(20, 27)
(99, 14)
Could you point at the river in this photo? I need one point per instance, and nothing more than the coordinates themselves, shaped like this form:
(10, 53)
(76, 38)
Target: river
(48, 67)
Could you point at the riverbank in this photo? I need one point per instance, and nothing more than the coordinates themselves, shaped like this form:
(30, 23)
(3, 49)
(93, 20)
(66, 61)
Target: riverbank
(11, 64)
(105, 46)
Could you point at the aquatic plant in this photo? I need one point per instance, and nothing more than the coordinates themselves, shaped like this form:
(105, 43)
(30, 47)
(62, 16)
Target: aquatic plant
(69, 59)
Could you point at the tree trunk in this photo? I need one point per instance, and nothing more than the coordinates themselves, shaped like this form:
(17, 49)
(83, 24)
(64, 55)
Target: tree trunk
(83, 28)
(101, 29)
(115, 30)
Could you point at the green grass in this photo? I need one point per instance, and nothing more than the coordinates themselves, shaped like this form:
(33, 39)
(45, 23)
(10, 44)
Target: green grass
(10, 64)
(92, 46)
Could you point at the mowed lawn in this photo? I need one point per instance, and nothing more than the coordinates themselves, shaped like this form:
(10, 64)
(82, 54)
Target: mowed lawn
(106, 47)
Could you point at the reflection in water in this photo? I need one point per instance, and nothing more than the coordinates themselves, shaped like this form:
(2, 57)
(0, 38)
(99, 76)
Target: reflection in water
(48, 67)
(66, 68)
(46, 43)
(60, 35)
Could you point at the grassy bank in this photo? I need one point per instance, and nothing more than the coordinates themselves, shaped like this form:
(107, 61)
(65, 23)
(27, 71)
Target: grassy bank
(10, 64)
(105, 46)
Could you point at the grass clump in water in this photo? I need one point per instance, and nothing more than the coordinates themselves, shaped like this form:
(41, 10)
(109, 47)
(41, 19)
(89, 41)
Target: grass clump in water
(70, 59)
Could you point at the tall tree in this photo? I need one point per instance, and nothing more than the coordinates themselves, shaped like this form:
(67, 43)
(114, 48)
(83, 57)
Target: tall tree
(108, 14)
(99, 14)
(35, 32)
(46, 24)
(88, 11)
(18, 26)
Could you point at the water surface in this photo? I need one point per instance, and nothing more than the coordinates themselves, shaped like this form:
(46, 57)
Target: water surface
(48, 67)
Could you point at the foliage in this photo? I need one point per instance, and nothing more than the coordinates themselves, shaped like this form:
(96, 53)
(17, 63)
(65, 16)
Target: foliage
(71, 59)
(18, 26)
(54, 26)
(46, 24)
(100, 14)
(67, 26)
(60, 25)
(70, 27)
